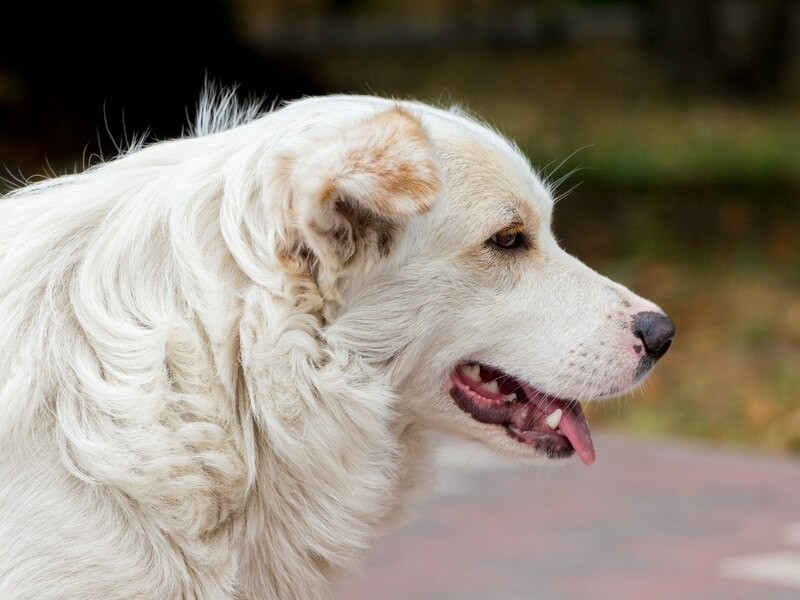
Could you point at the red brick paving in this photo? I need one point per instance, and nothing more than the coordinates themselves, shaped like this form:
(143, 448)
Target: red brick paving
(647, 521)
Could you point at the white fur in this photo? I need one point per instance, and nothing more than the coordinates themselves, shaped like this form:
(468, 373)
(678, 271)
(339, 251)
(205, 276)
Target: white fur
(215, 385)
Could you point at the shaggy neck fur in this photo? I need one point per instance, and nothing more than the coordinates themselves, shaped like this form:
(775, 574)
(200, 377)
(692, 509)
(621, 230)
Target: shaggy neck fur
(178, 374)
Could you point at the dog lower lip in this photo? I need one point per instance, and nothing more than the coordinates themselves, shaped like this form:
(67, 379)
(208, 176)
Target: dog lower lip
(486, 399)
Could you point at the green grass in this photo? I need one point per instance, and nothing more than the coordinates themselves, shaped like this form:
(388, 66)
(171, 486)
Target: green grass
(612, 102)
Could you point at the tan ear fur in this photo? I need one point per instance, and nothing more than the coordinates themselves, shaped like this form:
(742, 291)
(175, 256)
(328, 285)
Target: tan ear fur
(356, 186)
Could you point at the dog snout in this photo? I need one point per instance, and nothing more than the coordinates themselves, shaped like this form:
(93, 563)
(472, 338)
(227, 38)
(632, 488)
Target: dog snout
(656, 331)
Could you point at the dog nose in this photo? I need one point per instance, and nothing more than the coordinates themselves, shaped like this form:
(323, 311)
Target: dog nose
(656, 331)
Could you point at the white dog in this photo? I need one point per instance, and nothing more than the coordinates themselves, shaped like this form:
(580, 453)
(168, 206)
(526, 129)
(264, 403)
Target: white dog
(220, 356)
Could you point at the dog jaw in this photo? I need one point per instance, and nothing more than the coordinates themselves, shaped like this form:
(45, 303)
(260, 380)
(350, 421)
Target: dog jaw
(550, 425)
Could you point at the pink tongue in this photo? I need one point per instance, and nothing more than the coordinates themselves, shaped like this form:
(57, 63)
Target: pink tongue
(575, 428)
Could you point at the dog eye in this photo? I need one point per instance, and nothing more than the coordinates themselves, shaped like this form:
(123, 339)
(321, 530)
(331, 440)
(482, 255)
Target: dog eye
(508, 239)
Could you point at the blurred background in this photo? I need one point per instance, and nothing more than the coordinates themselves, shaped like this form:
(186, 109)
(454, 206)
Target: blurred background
(672, 126)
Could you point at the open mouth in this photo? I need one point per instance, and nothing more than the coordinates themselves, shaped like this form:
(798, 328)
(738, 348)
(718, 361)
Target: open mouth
(555, 426)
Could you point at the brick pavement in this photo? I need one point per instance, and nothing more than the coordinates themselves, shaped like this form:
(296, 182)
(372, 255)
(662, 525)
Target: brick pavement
(647, 521)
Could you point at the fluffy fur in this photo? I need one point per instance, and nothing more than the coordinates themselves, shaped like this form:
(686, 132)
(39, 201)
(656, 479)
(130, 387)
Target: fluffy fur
(219, 356)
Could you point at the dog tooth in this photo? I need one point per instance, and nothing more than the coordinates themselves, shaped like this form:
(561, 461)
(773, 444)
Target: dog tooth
(510, 397)
(492, 387)
(472, 372)
(554, 418)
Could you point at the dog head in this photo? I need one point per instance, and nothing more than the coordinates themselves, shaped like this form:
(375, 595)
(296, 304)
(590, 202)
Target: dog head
(433, 234)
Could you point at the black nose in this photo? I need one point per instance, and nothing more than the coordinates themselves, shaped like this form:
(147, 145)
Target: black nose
(656, 331)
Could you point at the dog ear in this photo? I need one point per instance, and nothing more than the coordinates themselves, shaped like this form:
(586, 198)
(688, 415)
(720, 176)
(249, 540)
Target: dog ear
(355, 188)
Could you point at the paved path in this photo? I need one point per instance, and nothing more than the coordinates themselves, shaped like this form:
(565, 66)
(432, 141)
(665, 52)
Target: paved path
(648, 521)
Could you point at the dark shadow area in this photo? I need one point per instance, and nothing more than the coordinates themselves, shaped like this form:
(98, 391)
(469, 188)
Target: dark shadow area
(108, 70)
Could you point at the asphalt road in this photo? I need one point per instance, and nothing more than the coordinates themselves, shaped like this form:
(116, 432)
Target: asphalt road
(646, 521)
